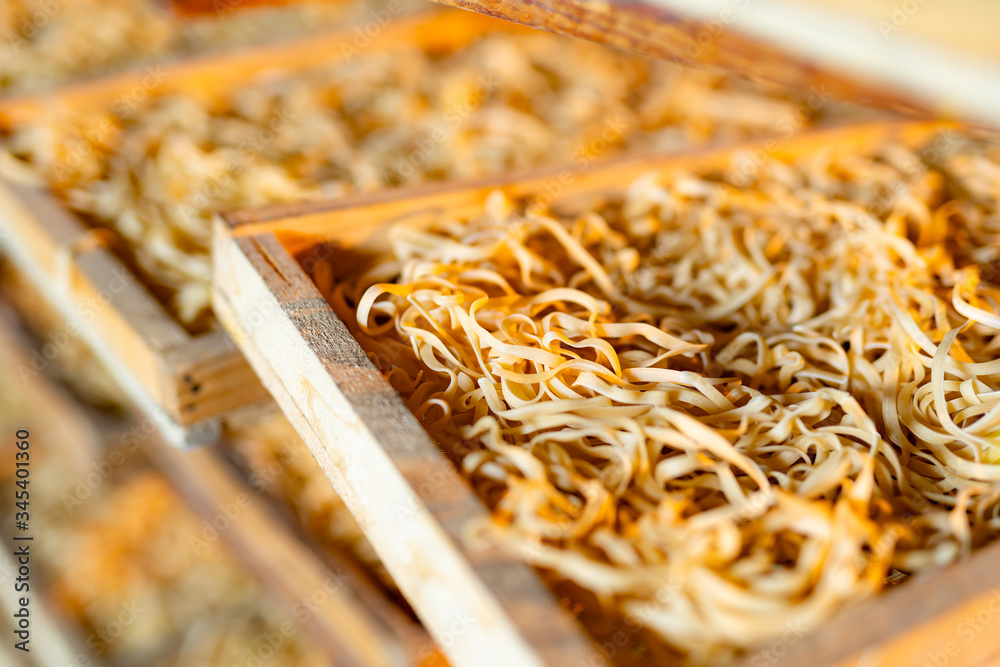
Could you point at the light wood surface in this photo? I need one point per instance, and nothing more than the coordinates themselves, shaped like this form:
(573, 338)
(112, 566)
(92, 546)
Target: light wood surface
(482, 606)
(328, 603)
(103, 302)
(351, 619)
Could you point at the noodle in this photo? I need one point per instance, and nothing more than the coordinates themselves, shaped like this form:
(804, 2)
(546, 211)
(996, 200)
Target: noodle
(719, 409)
(157, 174)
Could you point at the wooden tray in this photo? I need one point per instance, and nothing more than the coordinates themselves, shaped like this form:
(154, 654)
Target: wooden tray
(941, 57)
(350, 619)
(186, 382)
(382, 462)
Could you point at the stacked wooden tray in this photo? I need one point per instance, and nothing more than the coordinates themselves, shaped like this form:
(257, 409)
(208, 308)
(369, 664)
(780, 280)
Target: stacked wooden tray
(381, 460)
(186, 382)
(336, 605)
(482, 606)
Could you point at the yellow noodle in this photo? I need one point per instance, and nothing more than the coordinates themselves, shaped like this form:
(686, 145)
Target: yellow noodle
(720, 409)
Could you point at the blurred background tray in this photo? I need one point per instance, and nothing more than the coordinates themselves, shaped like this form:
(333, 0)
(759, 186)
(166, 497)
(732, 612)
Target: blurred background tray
(941, 58)
(186, 381)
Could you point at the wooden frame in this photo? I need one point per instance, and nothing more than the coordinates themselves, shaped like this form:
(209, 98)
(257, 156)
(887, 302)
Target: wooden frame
(383, 463)
(351, 620)
(186, 382)
(157, 363)
(335, 601)
(941, 58)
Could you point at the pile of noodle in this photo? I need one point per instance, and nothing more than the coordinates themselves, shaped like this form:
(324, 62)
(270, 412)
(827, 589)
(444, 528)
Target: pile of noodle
(48, 42)
(726, 405)
(368, 122)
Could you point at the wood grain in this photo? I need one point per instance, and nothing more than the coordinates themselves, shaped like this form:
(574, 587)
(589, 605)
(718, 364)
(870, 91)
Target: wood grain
(483, 606)
(329, 605)
(103, 303)
(349, 618)
(918, 63)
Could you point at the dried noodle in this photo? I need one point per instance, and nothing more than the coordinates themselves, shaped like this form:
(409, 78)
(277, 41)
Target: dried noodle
(723, 409)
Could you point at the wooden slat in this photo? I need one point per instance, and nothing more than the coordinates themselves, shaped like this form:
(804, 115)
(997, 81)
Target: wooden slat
(376, 454)
(349, 618)
(60, 428)
(72, 435)
(920, 60)
(335, 615)
(485, 608)
(221, 8)
(302, 225)
(104, 303)
(950, 617)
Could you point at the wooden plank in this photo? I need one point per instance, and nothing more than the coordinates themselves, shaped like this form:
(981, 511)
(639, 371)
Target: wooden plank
(949, 617)
(72, 435)
(351, 619)
(195, 8)
(482, 606)
(103, 303)
(924, 64)
(208, 378)
(300, 226)
(329, 604)
(192, 377)
(74, 438)
(375, 453)
(78, 263)
(341, 557)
